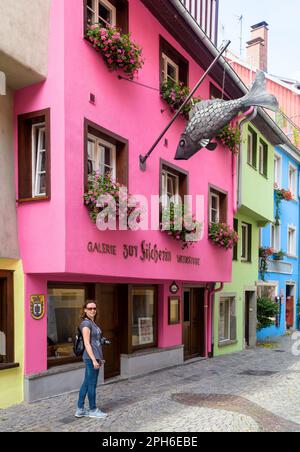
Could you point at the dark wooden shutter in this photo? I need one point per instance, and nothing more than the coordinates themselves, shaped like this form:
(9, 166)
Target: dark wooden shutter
(235, 249)
(249, 242)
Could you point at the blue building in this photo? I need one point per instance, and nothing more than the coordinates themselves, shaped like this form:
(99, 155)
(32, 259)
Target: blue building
(282, 277)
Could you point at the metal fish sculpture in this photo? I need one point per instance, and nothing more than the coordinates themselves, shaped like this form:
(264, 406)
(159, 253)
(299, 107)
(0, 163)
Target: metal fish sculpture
(208, 117)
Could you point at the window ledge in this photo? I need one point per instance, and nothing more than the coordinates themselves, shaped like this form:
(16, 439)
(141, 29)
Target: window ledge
(251, 166)
(227, 343)
(291, 256)
(42, 198)
(246, 262)
(7, 366)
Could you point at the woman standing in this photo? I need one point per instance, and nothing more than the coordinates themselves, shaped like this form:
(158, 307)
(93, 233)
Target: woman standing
(92, 358)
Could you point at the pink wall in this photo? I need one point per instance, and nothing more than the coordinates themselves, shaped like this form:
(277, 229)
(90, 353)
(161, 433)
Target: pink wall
(54, 235)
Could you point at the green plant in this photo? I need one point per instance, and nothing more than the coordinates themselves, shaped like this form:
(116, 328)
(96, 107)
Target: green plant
(102, 185)
(279, 255)
(267, 310)
(175, 94)
(222, 235)
(117, 49)
(264, 254)
(296, 136)
(179, 224)
(231, 137)
(281, 195)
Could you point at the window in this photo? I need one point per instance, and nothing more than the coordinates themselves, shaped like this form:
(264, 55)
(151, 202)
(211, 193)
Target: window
(173, 183)
(174, 310)
(252, 148)
(293, 180)
(246, 242)
(277, 170)
(276, 237)
(170, 188)
(217, 206)
(235, 248)
(64, 308)
(267, 291)
(6, 319)
(263, 158)
(144, 317)
(291, 248)
(170, 70)
(34, 156)
(227, 320)
(173, 66)
(105, 152)
(216, 93)
(101, 156)
(107, 12)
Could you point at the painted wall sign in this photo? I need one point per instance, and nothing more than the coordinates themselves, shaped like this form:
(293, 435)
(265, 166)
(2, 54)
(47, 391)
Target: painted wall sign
(37, 306)
(146, 251)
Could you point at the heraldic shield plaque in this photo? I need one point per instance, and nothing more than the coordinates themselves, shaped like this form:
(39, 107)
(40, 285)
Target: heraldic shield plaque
(37, 306)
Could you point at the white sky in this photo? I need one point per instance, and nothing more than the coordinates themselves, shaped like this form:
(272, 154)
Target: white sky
(283, 17)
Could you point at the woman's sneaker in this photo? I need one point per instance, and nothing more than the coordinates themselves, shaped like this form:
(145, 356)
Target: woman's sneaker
(97, 414)
(81, 413)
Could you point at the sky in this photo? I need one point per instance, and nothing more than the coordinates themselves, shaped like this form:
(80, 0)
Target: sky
(283, 17)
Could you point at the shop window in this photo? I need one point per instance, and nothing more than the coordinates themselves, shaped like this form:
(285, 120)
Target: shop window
(143, 305)
(217, 206)
(64, 309)
(105, 152)
(252, 148)
(227, 320)
(34, 156)
(292, 241)
(293, 180)
(6, 319)
(174, 310)
(107, 13)
(263, 158)
(173, 66)
(246, 242)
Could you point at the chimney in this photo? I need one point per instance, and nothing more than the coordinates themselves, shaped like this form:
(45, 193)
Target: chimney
(257, 47)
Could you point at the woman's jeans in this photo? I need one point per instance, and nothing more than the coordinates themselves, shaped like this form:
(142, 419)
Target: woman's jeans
(89, 386)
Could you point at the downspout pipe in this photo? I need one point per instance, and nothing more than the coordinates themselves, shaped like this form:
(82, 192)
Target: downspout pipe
(211, 291)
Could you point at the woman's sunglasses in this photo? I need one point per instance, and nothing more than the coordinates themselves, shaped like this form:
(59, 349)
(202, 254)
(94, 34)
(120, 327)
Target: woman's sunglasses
(91, 309)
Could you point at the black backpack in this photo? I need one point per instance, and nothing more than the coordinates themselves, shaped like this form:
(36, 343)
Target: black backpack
(78, 344)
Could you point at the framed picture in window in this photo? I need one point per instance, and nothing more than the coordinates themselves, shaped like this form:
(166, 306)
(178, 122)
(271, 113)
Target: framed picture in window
(174, 310)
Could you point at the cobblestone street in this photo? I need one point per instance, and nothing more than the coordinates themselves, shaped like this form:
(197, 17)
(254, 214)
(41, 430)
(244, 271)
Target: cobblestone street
(256, 390)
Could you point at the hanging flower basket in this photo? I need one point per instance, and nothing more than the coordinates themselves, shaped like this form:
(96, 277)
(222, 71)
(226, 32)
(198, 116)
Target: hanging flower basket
(117, 49)
(99, 185)
(222, 235)
(264, 254)
(281, 195)
(231, 137)
(177, 224)
(174, 94)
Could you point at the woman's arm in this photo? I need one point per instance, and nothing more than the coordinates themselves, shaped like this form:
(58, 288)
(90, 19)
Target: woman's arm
(86, 333)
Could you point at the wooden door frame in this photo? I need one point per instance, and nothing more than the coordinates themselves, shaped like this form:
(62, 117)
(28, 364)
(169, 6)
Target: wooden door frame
(294, 285)
(191, 289)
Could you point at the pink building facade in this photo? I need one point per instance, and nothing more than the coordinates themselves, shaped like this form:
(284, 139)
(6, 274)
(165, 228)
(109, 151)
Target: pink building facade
(129, 273)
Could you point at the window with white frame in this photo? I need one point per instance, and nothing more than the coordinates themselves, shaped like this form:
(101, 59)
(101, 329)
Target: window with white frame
(263, 158)
(214, 211)
(277, 170)
(39, 160)
(170, 188)
(251, 147)
(101, 11)
(227, 319)
(246, 242)
(293, 180)
(276, 237)
(101, 156)
(170, 70)
(291, 247)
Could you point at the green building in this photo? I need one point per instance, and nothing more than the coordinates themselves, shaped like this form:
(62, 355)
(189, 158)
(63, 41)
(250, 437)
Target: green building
(235, 313)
